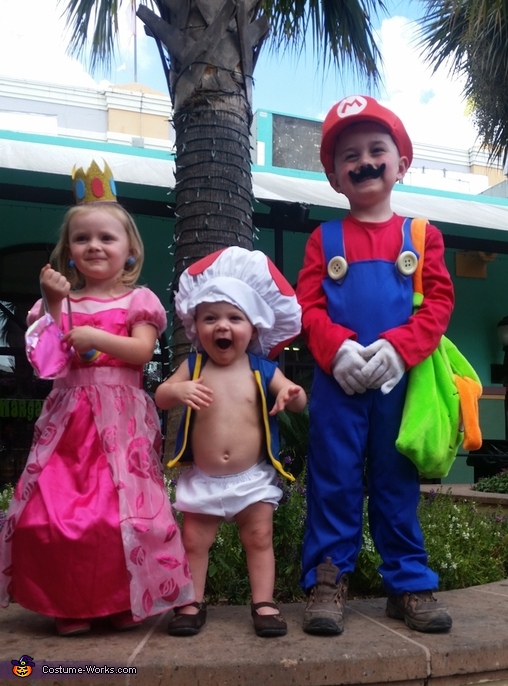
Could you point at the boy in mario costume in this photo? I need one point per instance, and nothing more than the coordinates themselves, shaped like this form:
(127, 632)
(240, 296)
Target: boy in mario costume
(356, 289)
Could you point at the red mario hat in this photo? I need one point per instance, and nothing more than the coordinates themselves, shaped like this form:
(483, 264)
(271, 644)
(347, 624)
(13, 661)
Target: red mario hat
(358, 108)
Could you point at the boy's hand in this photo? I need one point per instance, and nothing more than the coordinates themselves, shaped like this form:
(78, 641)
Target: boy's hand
(284, 398)
(385, 367)
(55, 285)
(348, 365)
(194, 394)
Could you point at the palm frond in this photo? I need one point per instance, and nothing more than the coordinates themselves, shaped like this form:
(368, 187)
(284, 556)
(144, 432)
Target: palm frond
(472, 35)
(342, 32)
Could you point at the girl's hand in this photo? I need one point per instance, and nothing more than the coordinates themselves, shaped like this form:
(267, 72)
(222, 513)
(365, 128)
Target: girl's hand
(194, 394)
(286, 396)
(55, 285)
(82, 338)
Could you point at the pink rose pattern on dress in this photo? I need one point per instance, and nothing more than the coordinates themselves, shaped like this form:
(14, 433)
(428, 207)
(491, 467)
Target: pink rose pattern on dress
(131, 426)
(138, 459)
(147, 602)
(108, 439)
(169, 590)
(137, 555)
(119, 404)
(27, 491)
(47, 435)
(171, 533)
(169, 562)
(9, 527)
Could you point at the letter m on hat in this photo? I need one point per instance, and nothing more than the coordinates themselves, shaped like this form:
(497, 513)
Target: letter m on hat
(354, 104)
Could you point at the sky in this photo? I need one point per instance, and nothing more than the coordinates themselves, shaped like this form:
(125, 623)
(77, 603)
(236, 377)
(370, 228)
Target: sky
(33, 47)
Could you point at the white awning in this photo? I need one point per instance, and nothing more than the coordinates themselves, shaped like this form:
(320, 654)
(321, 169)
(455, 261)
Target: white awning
(131, 166)
(156, 168)
(478, 211)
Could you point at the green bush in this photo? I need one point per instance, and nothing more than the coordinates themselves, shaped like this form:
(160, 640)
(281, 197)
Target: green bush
(467, 545)
(493, 484)
(5, 497)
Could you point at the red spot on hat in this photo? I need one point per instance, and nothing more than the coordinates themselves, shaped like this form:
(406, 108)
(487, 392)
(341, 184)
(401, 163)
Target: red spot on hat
(281, 282)
(205, 262)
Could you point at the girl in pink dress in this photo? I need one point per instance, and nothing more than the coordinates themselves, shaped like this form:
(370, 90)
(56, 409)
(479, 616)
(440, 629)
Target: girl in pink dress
(90, 532)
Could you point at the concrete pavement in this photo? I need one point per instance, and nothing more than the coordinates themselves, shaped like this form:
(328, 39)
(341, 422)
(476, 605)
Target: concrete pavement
(372, 650)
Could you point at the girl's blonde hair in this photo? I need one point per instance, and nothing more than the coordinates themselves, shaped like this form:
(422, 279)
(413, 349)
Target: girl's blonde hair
(61, 254)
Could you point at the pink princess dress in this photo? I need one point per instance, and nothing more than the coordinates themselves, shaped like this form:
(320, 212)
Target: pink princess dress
(90, 531)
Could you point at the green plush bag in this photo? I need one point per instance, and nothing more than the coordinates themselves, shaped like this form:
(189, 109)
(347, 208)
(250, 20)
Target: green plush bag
(431, 431)
(441, 395)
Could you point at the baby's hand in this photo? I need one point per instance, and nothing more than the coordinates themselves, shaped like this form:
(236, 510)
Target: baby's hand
(55, 285)
(285, 397)
(195, 394)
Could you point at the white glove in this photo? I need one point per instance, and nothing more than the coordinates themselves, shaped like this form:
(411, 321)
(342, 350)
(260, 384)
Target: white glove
(347, 367)
(385, 367)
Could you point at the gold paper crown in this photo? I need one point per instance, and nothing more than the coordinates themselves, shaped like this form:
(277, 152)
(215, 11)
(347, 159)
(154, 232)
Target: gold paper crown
(94, 185)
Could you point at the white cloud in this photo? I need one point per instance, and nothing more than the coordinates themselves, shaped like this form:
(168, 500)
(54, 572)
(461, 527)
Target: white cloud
(431, 105)
(32, 45)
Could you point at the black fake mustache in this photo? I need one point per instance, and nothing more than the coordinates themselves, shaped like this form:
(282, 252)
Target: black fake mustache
(367, 172)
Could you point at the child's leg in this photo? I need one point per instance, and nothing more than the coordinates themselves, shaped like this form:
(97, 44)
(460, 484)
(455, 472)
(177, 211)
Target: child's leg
(198, 534)
(255, 525)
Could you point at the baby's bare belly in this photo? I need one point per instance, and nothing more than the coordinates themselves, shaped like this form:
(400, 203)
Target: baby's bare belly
(221, 450)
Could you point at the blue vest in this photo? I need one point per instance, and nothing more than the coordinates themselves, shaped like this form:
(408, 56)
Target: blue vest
(263, 370)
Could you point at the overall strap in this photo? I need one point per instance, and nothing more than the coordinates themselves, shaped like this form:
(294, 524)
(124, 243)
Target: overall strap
(195, 362)
(418, 227)
(332, 239)
(407, 238)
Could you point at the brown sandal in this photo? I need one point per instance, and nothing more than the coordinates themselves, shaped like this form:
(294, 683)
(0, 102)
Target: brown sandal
(187, 625)
(267, 626)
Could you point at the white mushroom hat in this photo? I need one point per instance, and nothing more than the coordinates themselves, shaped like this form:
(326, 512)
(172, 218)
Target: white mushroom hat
(249, 280)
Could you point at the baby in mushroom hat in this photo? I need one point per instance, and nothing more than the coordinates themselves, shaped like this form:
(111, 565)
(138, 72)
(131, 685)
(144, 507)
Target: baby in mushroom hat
(238, 311)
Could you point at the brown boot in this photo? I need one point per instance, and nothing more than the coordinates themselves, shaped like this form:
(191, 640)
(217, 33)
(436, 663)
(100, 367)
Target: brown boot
(324, 614)
(420, 611)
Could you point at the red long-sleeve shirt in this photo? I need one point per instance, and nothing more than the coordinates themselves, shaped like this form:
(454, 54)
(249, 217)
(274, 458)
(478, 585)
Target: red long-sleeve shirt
(414, 340)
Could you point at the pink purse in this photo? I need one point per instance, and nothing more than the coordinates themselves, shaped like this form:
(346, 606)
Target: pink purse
(47, 353)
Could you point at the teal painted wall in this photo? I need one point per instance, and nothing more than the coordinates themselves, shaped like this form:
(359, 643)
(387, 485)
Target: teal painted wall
(479, 305)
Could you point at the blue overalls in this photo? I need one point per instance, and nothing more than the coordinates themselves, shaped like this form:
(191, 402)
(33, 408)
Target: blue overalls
(348, 431)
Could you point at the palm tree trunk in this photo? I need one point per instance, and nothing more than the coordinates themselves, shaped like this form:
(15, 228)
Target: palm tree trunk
(213, 183)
